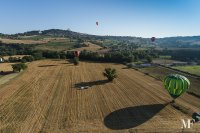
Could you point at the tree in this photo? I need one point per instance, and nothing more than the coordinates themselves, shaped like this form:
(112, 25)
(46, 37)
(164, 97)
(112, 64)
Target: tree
(76, 61)
(110, 73)
(38, 55)
(28, 58)
(149, 59)
(18, 67)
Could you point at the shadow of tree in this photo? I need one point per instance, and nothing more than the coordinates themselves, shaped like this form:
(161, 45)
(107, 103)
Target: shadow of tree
(131, 116)
(6, 72)
(47, 65)
(56, 60)
(65, 63)
(91, 83)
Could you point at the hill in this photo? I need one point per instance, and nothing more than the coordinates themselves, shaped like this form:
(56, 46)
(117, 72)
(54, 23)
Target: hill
(179, 42)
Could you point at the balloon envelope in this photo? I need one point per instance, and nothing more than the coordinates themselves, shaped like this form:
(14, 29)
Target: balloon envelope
(97, 23)
(77, 53)
(176, 84)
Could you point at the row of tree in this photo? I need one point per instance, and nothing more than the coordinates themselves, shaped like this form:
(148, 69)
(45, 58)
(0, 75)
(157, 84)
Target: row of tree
(118, 57)
(19, 59)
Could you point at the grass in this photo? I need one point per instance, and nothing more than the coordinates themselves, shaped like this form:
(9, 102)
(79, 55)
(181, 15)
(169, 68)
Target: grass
(63, 45)
(190, 69)
(161, 72)
(165, 57)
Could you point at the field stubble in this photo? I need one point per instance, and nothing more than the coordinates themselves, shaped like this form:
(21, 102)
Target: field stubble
(45, 99)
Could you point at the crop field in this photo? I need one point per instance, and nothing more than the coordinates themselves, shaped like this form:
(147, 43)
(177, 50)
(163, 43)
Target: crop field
(56, 45)
(6, 66)
(166, 61)
(160, 73)
(17, 56)
(190, 69)
(46, 98)
(11, 41)
(7, 74)
(90, 47)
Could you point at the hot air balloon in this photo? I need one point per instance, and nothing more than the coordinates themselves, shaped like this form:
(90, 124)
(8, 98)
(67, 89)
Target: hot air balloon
(97, 23)
(153, 39)
(176, 85)
(76, 53)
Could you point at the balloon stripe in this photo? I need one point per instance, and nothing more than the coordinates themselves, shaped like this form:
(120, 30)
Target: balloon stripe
(176, 84)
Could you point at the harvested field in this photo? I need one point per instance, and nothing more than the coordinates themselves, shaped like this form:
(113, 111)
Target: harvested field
(45, 99)
(17, 56)
(90, 47)
(11, 41)
(6, 73)
(6, 67)
(31, 40)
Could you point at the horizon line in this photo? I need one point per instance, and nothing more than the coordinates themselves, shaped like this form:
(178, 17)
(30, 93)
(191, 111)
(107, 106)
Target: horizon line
(100, 35)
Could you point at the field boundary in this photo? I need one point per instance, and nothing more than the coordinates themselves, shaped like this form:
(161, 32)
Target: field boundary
(190, 74)
(17, 75)
(190, 93)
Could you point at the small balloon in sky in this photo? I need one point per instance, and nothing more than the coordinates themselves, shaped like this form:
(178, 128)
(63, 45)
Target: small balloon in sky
(153, 39)
(97, 23)
(76, 53)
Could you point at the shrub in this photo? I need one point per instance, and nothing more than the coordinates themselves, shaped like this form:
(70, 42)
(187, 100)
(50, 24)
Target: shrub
(18, 67)
(27, 58)
(110, 73)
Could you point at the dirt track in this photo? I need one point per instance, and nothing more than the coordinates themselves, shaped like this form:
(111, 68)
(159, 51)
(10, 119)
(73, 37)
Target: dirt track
(45, 99)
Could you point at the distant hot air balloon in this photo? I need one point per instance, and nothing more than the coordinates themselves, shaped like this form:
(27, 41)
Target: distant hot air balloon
(97, 23)
(153, 39)
(176, 85)
(76, 53)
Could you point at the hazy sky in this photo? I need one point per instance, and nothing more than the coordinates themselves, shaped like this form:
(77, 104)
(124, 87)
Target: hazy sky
(142, 18)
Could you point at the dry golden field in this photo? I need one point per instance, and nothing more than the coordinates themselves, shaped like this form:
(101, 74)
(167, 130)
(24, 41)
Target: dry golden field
(6, 67)
(31, 41)
(17, 56)
(45, 99)
(90, 47)
(11, 41)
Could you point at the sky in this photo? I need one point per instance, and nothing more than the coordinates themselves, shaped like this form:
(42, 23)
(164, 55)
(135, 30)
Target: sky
(141, 18)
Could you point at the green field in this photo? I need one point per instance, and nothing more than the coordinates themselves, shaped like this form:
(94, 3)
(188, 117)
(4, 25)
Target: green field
(190, 69)
(56, 46)
(160, 73)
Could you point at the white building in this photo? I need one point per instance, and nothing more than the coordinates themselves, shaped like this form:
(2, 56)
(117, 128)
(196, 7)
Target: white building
(1, 59)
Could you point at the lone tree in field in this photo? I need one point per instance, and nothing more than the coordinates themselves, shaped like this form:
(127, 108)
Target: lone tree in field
(76, 61)
(110, 73)
(18, 67)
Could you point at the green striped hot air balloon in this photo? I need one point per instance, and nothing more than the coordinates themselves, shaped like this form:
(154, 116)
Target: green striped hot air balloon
(176, 85)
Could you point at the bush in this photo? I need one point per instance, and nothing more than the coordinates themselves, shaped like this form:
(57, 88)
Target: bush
(110, 73)
(23, 61)
(14, 59)
(18, 67)
(27, 59)
(38, 55)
